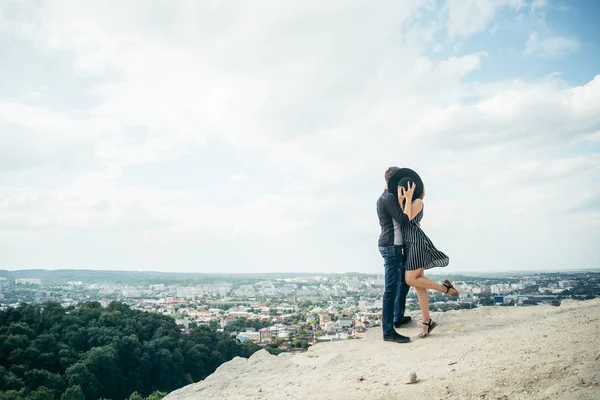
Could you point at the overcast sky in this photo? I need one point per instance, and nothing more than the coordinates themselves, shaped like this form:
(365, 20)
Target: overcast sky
(247, 136)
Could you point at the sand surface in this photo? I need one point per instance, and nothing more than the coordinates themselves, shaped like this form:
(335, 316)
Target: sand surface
(537, 352)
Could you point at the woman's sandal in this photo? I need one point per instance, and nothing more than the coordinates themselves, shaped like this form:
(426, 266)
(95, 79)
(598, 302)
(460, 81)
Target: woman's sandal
(430, 325)
(449, 286)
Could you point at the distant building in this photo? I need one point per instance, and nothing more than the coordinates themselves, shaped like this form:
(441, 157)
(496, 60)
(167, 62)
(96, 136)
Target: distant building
(528, 282)
(42, 297)
(132, 293)
(346, 323)
(225, 322)
(28, 281)
(500, 289)
(567, 284)
(183, 322)
(254, 336)
(331, 338)
(107, 291)
(4, 283)
(353, 286)
(504, 300)
(265, 335)
(324, 318)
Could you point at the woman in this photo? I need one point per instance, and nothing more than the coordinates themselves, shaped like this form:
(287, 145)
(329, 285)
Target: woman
(420, 253)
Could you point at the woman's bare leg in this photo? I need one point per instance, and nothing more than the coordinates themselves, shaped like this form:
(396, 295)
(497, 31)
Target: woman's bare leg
(418, 280)
(423, 297)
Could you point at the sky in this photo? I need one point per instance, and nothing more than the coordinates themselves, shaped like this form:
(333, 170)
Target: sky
(253, 136)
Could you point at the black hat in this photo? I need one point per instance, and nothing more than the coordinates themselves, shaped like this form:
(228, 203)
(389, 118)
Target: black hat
(405, 173)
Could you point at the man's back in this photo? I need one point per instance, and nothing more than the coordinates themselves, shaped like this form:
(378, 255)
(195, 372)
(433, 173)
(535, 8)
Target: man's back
(390, 216)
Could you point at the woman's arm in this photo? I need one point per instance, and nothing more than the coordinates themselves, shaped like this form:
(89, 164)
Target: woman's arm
(410, 208)
(415, 208)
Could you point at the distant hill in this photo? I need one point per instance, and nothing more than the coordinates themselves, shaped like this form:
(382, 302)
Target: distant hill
(150, 277)
(103, 276)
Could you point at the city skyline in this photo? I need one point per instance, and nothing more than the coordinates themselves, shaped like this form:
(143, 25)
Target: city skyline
(239, 137)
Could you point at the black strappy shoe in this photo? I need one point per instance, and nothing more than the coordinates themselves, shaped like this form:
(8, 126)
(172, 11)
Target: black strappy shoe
(430, 325)
(449, 286)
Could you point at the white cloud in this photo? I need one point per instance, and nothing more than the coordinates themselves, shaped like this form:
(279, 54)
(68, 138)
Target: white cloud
(466, 17)
(538, 5)
(312, 101)
(237, 177)
(550, 47)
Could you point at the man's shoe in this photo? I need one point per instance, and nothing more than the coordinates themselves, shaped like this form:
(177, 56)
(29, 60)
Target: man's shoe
(404, 321)
(396, 338)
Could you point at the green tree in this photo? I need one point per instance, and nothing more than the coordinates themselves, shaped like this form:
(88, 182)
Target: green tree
(73, 393)
(92, 352)
(135, 396)
(156, 395)
(40, 377)
(11, 395)
(79, 375)
(11, 382)
(42, 393)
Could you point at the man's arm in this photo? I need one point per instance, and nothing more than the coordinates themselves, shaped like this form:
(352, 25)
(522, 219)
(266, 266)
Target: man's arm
(393, 209)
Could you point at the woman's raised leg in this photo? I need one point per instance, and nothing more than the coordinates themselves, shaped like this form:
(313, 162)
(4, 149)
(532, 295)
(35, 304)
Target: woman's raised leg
(417, 279)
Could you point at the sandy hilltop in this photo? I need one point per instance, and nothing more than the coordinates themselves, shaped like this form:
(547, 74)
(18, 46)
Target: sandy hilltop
(539, 352)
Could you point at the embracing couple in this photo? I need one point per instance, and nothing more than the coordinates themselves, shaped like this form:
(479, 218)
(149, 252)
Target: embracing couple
(407, 252)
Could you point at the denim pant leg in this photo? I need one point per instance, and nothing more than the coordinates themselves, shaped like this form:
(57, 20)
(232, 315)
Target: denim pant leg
(403, 288)
(392, 280)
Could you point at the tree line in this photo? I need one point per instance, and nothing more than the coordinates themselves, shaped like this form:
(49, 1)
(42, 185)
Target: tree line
(50, 352)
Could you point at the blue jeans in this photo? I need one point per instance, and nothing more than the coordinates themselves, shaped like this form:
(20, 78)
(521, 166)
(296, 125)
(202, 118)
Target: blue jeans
(396, 289)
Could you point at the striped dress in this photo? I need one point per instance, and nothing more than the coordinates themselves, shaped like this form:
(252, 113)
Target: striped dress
(418, 249)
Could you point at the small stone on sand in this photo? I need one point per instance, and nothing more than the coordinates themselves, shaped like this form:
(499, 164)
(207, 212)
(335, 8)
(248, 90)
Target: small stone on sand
(412, 378)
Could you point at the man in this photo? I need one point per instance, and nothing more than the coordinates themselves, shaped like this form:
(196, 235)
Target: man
(391, 249)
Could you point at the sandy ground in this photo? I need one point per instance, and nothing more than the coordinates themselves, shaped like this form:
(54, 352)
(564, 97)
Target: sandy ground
(539, 352)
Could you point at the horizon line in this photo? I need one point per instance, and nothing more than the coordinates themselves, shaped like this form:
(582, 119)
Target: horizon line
(460, 272)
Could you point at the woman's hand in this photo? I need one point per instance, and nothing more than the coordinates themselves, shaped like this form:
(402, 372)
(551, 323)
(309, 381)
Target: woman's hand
(408, 194)
(401, 193)
(405, 197)
(401, 197)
